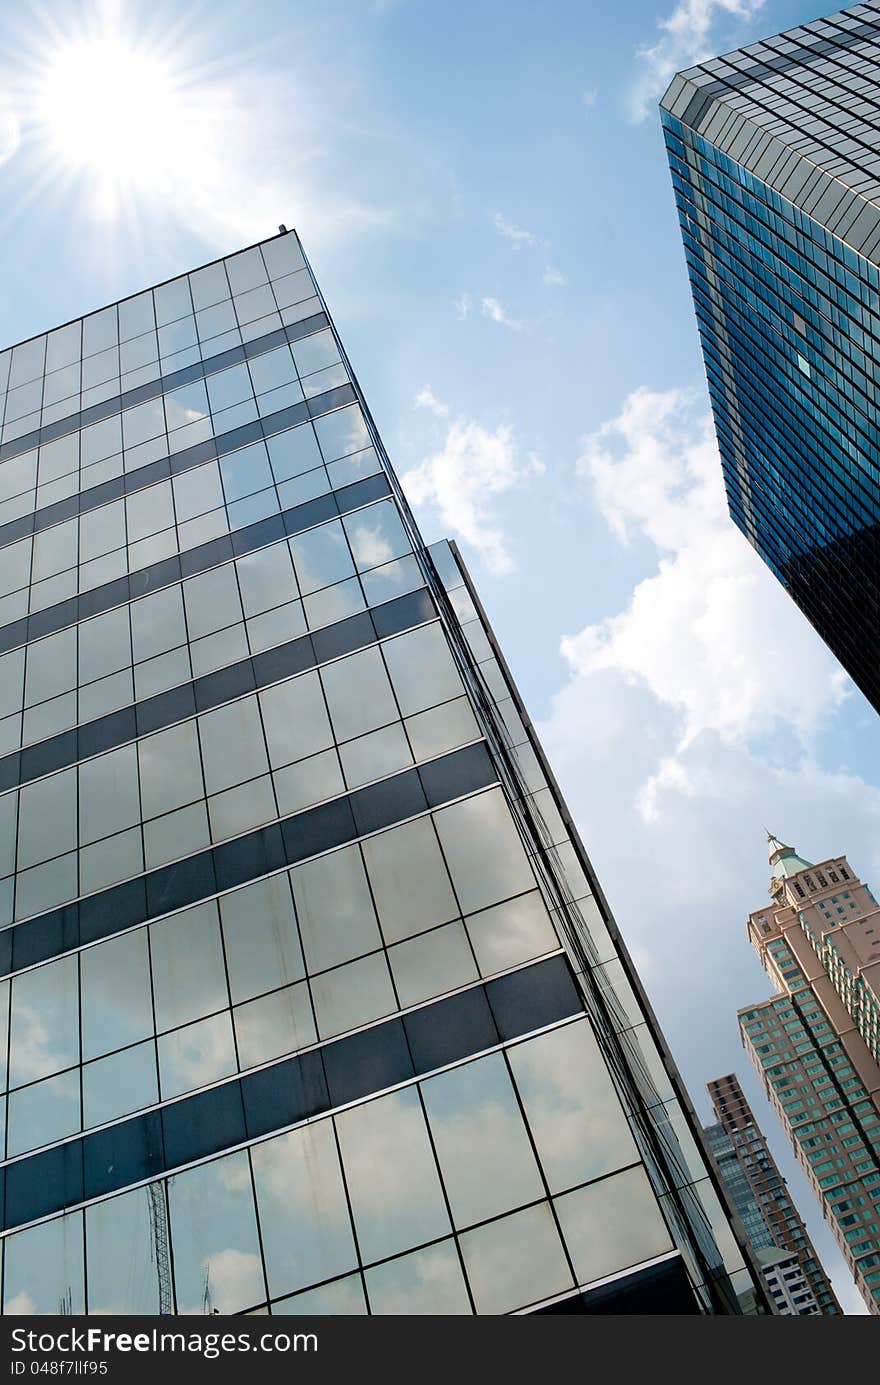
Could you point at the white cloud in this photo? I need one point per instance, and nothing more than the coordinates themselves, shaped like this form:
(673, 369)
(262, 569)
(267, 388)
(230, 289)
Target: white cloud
(474, 464)
(427, 399)
(494, 310)
(462, 306)
(686, 39)
(688, 720)
(515, 234)
(703, 634)
(553, 278)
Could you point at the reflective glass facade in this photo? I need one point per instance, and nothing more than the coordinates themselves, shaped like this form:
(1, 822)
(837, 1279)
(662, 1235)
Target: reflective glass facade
(792, 1269)
(311, 1001)
(775, 159)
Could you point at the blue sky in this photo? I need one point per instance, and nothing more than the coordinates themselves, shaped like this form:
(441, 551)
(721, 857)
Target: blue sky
(482, 191)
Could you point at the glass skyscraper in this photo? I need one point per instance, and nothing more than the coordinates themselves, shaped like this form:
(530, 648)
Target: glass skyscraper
(776, 1232)
(775, 158)
(312, 1000)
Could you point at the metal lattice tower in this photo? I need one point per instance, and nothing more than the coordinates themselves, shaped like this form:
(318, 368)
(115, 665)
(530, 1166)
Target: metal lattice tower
(161, 1252)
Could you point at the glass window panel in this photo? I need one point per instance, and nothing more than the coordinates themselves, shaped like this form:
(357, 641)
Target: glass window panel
(176, 835)
(375, 755)
(223, 647)
(256, 306)
(197, 491)
(4, 1029)
(18, 475)
(294, 452)
(55, 550)
(352, 995)
(214, 322)
(391, 579)
(124, 1272)
(235, 810)
(157, 623)
(321, 557)
(260, 937)
(485, 1157)
(442, 728)
(170, 769)
(342, 432)
(43, 1269)
(358, 694)
(246, 270)
(61, 457)
(334, 909)
(436, 962)
(195, 1055)
(108, 794)
(28, 360)
(172, 300)
(149, 510)
(63, 346)
(43, 1112)
(273, 1025)
(209, 285)
(104, 644)
(12, 681)
(295, 718)
(189, 404)
(396, 1198)
(120, 1083)
(245, 472)
(303, 1211)
(573, 1111)
(515, 1261)
(211, 601)
(143, 422)
(340, 1298)
(511, 932)
(376, 535)
(15, 566)
(44, 1028)
(45, 886)
(101, 440)
(136, 316)
(308, 781)
(47, 818)
(214, 1237)
(116, 1000)
(272, 369)
(51, 666)
(229, 387)
(483, 850)
(8, 812)
(233, 746)
(266, 578)
(188, 973)
(612, 1224)
(426, 1283)
(334, 603)
(410, 882)
(282, 255)
(422, 669)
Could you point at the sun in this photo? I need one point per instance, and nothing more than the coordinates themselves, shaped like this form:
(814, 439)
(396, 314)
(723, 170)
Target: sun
(107, 107)
(117, 110)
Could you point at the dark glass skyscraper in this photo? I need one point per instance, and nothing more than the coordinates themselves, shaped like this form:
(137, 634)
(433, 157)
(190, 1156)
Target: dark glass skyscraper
(775, 158)
(313, 1002)
(774, 1226)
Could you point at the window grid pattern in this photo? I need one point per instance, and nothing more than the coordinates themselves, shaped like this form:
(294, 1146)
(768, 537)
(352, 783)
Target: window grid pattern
(284, 852)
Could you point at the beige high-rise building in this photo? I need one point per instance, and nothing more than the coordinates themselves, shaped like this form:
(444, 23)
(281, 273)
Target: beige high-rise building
(816, 1044)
